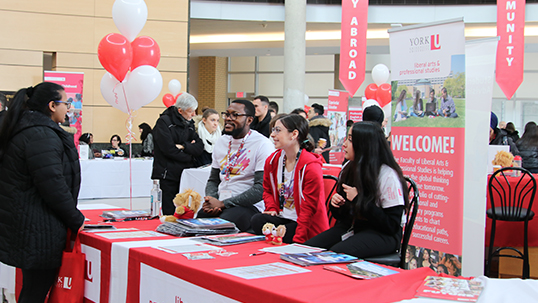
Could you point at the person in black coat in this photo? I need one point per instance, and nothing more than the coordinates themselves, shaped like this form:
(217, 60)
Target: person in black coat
(263, 117)
(3, 103)
(176, 145)
(528, 147)
(319, 129)
(39, 186)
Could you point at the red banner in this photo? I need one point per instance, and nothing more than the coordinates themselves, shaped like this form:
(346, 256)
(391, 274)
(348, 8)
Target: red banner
(353, 44)
(355, 114)
(510, 50)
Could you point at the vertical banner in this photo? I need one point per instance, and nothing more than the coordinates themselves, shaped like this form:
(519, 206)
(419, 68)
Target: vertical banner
(353, 44)
(337, 113)
(510, 50)
(428, 67)
(73, 85)
(355, 114)
(480, 76)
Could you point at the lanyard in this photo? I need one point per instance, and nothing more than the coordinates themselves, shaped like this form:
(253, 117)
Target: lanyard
(281, 198)
(234, 158)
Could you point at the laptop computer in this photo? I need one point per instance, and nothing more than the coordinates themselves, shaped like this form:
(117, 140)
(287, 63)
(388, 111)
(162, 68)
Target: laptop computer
(431, 108)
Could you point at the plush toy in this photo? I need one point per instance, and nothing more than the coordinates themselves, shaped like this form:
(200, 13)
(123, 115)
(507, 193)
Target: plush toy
(267, 230)
(187, 203)
(278, 234)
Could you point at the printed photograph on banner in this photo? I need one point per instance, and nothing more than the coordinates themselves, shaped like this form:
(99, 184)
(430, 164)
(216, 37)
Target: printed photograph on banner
(438, 261)
(431, 102)
(337, 130)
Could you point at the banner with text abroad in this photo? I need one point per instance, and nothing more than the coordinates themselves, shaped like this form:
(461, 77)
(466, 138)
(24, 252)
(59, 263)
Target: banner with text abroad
(427, 137)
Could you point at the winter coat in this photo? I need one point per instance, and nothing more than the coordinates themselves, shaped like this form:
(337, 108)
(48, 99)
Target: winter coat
(308, 193)
(171, 129)
(39, 185)
(262, 126)
(514, 135)
(529, 155)
(502, 138)
(319, 128)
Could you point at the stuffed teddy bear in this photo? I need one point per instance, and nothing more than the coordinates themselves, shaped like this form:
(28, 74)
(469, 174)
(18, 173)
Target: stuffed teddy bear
(278, 234)
(267, 231)
(187, 203)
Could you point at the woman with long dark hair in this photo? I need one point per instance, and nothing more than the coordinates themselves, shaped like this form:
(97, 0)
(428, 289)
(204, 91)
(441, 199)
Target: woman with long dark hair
(39, 185)
(293, 189)
(418, 106)
(370, 200)
(147, 140)
(528, 147)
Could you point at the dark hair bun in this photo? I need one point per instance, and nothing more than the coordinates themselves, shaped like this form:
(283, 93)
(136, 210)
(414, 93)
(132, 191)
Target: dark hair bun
(30, 91)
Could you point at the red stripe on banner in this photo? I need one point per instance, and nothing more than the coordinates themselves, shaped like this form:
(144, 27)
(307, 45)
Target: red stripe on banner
(510, 50)
(353, 44)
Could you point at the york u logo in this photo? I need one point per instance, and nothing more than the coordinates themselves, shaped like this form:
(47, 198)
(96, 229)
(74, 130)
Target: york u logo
(435, 42)
(64, 282)
(88, 271)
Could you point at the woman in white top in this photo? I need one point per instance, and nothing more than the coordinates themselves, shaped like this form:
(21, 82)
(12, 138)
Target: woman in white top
(370, 198)
(209, 131)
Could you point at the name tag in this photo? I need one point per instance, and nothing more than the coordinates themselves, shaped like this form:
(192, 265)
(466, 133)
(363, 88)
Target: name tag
(347, 235)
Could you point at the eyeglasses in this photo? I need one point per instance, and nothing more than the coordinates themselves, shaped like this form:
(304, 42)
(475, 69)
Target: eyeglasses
(67, 103)
(232, 116)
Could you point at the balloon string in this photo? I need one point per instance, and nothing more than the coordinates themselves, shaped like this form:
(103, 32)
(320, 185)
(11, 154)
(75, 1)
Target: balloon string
(129, 137)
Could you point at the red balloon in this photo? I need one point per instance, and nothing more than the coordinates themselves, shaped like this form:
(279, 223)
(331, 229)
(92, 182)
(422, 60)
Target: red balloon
(384, 94)
(145, 52)
(370, 91)
(115, 54)
(168, 100)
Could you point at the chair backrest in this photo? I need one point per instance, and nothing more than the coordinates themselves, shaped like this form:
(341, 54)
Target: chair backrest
(411, 214)
(330, 182)
(509, 197)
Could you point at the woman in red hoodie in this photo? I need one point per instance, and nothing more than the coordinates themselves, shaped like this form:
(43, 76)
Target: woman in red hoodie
(293, 183)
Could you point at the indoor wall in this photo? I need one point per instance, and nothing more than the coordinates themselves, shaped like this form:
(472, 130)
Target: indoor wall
(71, 30)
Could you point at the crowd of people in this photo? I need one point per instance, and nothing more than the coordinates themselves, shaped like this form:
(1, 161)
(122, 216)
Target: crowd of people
(266, 167)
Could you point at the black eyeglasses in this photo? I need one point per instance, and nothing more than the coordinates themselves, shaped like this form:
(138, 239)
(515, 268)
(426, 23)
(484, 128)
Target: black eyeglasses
(232, 116)
(67, 103)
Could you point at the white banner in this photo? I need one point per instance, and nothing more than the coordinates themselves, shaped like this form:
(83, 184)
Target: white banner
(480, 68)
(425, 52)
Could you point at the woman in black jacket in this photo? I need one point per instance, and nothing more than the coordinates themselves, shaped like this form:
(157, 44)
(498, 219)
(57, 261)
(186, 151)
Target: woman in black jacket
(528, 147)
(176, 144)
(370, 198)
(39, 185)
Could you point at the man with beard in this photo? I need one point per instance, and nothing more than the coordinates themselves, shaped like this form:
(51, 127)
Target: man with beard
(235, 186)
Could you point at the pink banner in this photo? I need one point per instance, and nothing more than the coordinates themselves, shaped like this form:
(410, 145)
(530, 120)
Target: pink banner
(73, 85)
(353, 44)
(433, 158)
(355, 114)
(337, 113)
(510, 50)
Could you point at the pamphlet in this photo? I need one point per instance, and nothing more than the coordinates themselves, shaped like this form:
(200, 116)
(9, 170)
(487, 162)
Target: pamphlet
(291, 249)
(130, 234)
(316, 258)
(189, 248)
(264, 270)
(198, 256)
(232, 239)
(207, 223)
(180, 230)
(451, 289)
(361, 270)
(125, 214)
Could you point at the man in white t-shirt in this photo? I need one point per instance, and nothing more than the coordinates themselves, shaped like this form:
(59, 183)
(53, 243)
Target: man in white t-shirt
(235, 186)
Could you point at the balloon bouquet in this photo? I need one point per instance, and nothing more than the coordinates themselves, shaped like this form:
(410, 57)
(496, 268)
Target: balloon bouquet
(132, 79)
(380, 92)
(175, 88)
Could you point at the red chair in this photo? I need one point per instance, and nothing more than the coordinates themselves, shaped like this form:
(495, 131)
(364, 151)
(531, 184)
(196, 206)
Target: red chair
(330, 182)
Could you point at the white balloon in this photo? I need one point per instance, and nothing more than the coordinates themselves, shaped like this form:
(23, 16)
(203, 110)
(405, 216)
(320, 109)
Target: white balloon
(130, 17)
(174, 86)
(113, 92)
(143, 85)
(380, 74)
(368, 103)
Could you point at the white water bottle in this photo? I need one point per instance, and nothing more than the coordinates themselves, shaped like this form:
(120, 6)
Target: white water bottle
(156, 199)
